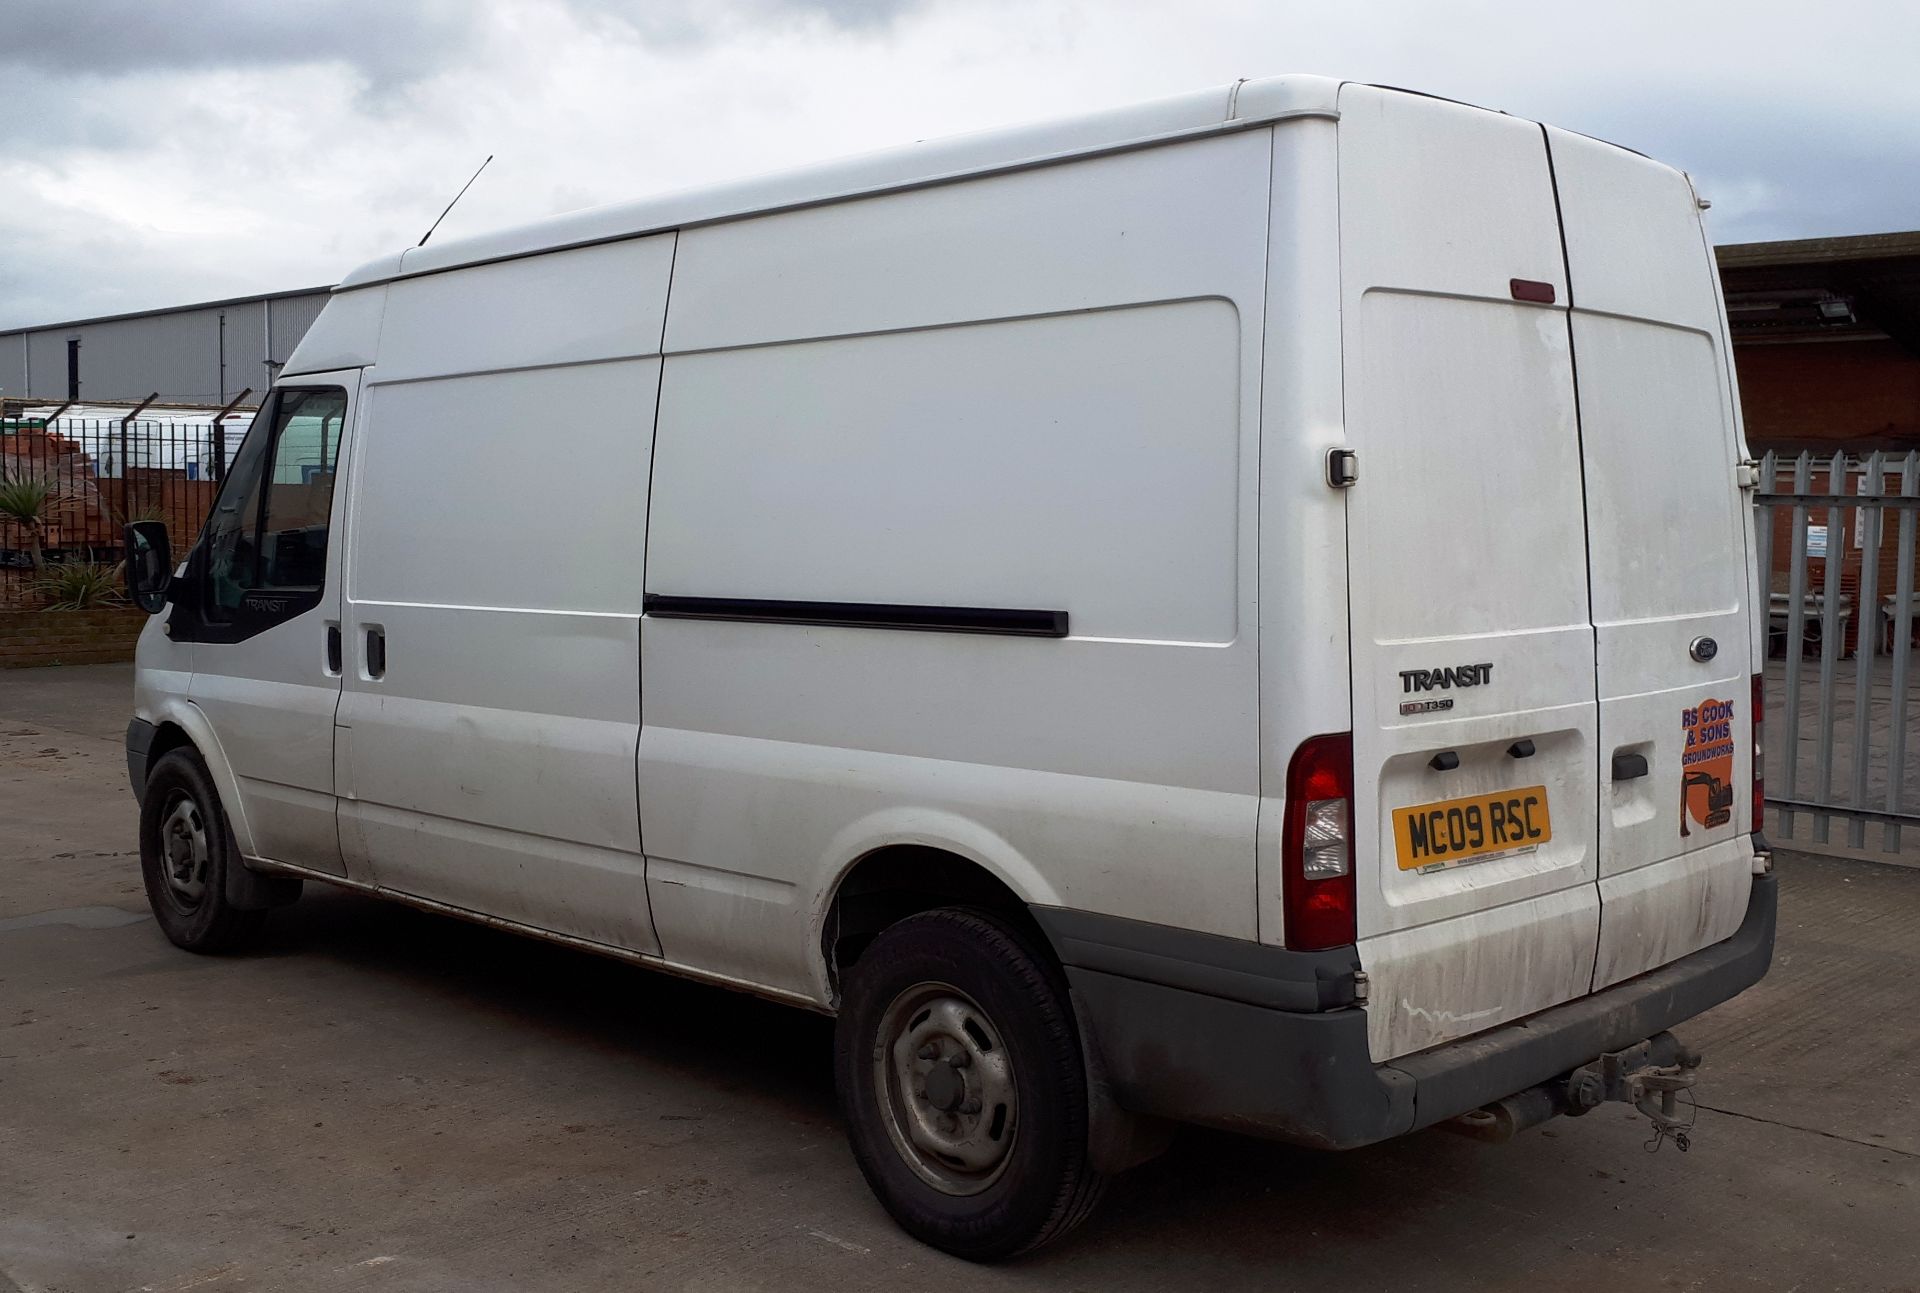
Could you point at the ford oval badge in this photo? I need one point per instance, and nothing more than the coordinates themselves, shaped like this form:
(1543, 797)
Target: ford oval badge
(1704, 649)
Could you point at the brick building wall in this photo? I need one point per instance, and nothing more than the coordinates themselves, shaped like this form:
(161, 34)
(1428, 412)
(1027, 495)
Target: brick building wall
(1855, 395)
(36, 637)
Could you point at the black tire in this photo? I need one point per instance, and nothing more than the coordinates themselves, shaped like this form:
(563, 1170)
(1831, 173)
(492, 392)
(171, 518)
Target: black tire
(186, 849)
(985, 971)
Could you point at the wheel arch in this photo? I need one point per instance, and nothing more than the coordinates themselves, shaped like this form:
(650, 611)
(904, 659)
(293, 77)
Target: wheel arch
(183, 725)
(889, 882)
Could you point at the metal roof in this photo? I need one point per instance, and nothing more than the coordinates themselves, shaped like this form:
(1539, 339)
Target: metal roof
(1241, 105)
(1824, 289)
(167, 309)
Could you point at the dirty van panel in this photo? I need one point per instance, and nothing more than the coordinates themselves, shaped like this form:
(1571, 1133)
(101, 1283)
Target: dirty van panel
(1669, 534)
(1474, 717)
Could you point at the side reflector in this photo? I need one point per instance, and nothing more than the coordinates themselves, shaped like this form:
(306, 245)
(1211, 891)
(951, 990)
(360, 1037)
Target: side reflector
(1759, 750)
(1528, 289)
(1316, 845)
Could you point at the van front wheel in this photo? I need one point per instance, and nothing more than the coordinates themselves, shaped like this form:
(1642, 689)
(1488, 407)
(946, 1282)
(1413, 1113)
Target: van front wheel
(185, 852)
(961, 1080)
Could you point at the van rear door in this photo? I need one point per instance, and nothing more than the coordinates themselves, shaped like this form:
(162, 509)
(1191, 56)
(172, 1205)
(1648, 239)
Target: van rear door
(1669, 536)
(1474, 724)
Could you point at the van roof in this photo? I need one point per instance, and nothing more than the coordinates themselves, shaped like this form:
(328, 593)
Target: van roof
(1229, 107)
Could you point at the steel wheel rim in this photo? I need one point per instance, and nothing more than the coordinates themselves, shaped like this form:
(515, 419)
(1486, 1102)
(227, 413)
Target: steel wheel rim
(946, 1086)
(185, 850)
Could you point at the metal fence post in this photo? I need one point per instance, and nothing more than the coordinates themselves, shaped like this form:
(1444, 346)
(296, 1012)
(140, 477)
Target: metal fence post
(220, 435)
(1796, 631)
(1902, 618)
(1831, 633)
(1763, 541)
(1866, 632)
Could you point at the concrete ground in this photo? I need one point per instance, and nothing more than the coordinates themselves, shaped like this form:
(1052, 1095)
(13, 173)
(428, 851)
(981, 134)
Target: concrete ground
(383, 1099)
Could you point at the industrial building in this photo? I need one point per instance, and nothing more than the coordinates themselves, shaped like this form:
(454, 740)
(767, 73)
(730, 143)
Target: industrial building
(202, 354)
(1826, 337)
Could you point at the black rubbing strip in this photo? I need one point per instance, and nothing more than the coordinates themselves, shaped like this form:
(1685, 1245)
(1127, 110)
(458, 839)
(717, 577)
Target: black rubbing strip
(863, 615)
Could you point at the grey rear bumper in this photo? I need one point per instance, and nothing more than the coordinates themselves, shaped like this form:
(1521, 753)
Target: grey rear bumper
(1259, 1040)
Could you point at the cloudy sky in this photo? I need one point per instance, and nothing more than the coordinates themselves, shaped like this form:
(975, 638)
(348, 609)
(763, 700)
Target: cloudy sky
(155, 152)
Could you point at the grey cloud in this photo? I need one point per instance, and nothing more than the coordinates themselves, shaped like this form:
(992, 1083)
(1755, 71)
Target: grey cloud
(55, 269)
(692, 22)
(1809, 172)
(395, 101)
(46, 111)
(390, 43)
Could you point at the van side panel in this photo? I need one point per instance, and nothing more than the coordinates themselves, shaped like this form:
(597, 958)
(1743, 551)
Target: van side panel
(1304, 673)
(1035, 391)
(499, 514)
(1669, 530)
(1472, 651)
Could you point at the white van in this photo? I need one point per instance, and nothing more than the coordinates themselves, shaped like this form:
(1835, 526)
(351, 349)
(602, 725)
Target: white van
(1232, 611)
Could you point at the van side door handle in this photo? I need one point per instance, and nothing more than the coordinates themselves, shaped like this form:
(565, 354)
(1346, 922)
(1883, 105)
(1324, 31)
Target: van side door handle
(1628, 766)
(333, 649)
(376, 652)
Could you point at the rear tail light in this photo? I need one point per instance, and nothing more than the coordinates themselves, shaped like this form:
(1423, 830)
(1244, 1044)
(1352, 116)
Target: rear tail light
(1759, 762)
(1316, 865)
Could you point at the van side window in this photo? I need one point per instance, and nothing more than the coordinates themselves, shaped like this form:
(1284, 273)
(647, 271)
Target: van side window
(268, 532)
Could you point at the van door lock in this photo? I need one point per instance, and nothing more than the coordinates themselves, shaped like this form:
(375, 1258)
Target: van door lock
(1343, 468)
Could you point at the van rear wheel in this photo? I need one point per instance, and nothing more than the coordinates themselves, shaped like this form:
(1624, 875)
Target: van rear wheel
(961, 1080)
(186, 850)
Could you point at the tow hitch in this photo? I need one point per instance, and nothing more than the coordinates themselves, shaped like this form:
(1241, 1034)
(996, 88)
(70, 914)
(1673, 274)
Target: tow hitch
(1649, 1076)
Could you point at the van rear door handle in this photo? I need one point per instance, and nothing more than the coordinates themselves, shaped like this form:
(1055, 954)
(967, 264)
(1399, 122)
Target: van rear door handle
(1628, 766)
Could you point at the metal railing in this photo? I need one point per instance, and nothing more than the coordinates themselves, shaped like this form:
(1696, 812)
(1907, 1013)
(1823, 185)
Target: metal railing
(1837, 539)
(93, 475)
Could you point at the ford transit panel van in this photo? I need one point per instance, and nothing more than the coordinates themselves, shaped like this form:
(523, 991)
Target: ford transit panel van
(1235, 611)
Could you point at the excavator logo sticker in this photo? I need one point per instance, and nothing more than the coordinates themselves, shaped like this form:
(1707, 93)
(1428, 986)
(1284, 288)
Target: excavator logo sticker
(1706, 766)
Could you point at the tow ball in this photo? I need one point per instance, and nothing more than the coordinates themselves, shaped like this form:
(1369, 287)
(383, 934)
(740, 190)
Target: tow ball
(1649, 1076)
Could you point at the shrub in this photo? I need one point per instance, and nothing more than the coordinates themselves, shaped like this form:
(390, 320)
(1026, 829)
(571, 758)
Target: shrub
(26, 500)
(80, 585)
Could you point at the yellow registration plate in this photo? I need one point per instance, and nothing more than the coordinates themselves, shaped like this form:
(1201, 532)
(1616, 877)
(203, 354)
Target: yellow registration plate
(1471, 829)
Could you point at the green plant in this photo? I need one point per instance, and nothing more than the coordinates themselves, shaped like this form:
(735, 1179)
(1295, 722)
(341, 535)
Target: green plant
(26, 500)
(139, 512)
(79, 585)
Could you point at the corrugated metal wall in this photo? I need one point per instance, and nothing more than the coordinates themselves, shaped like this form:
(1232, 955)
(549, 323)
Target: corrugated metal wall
(193, 355)
(289, 318)
(13, 364)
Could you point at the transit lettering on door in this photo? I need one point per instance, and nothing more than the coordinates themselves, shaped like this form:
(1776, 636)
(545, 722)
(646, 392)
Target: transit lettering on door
(1462, 675)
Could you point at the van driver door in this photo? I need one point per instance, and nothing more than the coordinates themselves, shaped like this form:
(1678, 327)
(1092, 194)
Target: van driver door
(261, 602)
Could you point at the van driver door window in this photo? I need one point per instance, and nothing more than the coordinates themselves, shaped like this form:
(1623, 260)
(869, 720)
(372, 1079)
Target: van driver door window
(267, 539)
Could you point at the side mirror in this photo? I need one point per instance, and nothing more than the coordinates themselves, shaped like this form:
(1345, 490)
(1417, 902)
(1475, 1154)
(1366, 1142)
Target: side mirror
(149, 565)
